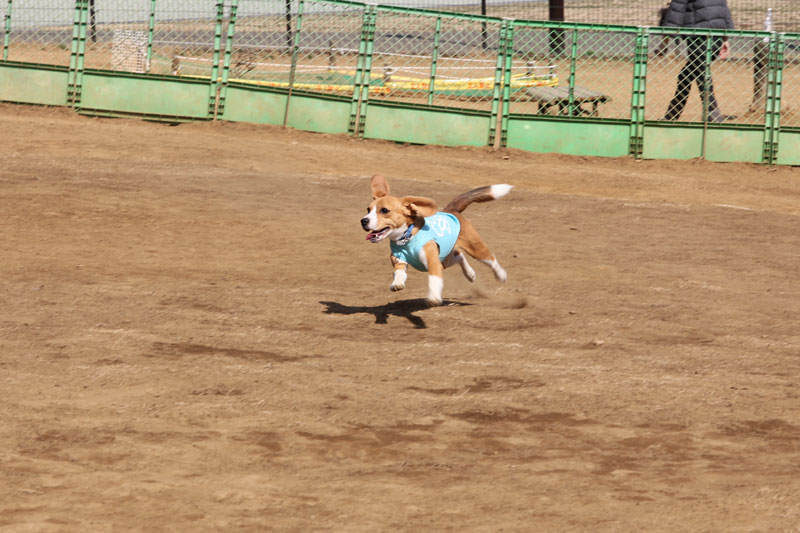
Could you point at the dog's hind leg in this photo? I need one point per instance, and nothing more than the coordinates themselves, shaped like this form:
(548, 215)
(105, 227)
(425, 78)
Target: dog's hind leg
(470, 242)
(458, 257)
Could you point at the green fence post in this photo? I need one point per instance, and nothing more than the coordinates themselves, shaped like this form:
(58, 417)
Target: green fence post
(498, 84)
(772, 114)
(508, 60)
(434, 58)
(638, 93)
(295, 53)
(6, 31)
(573, 60)
(77, 52)
(367, 76)
(706, 92)
(363, 67)
(226, 62)
(362, 47)
(151, 25)
(214, 81)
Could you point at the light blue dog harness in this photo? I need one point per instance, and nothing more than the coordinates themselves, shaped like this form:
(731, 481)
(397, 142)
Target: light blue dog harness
(441, 227)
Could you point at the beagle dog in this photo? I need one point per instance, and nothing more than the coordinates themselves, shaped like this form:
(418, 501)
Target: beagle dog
(427, 239)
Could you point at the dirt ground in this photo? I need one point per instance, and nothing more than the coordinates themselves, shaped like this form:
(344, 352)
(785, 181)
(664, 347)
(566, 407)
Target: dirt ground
(195, 336)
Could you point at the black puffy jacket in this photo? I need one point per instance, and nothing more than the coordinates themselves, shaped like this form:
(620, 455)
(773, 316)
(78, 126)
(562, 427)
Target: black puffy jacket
(698, 14)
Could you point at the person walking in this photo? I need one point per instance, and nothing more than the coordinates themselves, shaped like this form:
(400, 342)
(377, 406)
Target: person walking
(711, 14)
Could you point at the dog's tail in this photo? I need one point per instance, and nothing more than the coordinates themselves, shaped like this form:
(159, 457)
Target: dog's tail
(481, 194)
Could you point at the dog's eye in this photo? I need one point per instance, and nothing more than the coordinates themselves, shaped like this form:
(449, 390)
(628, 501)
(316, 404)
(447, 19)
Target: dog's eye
(368, 210)
(384, 211)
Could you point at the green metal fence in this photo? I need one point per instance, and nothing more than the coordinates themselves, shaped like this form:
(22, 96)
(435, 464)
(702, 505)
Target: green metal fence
(413, 75)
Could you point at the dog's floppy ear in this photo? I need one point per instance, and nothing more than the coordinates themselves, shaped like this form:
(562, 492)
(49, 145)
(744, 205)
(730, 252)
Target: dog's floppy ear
(379, 186)
(419, 207)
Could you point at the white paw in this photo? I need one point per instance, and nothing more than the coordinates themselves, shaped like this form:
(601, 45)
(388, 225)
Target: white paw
(470, 276)
(433, 301)
(397, 287)
(500, 274)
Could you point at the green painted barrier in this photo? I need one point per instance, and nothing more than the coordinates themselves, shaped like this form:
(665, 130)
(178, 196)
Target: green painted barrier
(26, 83)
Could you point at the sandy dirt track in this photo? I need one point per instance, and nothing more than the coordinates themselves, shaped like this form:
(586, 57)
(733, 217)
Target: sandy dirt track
(195, 336)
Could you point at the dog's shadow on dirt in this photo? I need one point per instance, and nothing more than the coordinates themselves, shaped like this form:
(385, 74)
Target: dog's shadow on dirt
(402, 308)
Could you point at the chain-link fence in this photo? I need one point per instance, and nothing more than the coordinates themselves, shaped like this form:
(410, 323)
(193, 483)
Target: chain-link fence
(38, 31)
(747, 14)
(717, 78)
(152, 36)
(592, 70)
(427, 58)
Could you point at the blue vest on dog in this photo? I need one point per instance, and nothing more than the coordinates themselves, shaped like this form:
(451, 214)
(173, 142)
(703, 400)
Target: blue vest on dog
(441, 227)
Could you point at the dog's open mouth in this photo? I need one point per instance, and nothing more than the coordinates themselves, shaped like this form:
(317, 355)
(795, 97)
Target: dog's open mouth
(377, 236)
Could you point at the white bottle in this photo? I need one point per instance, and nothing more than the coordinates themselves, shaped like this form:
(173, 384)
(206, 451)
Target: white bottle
(768, 23)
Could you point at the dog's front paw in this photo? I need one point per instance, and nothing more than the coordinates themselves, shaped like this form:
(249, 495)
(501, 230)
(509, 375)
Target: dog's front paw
(433, 301)
(397, 287)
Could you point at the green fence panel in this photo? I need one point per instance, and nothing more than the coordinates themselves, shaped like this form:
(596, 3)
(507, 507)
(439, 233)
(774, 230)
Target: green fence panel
(730, 117)
(123, 94)
(563, 136)
(319, 113)
(245, 103)
(26, 83)
(786, 91)
(37, 39)
(153, 59)
(734, 144)
(426, 124)
(669, 141)
(293, 67)
(789, 151)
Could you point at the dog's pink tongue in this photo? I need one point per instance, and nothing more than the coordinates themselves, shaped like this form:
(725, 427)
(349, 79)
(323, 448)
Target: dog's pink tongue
(370, 236)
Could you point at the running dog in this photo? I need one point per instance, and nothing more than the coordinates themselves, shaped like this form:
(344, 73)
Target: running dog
(427, 239)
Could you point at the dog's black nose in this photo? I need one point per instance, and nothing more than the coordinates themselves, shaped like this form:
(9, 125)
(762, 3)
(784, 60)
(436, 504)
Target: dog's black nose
(365, 223)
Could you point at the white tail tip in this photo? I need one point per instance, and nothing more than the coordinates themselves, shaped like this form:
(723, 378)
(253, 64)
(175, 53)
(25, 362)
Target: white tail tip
(500, 190)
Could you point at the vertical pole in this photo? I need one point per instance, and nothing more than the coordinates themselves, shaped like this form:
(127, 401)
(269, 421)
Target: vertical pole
(151, 26)
(508, 63)
(772, 114)
(6, 31)
(288, 12)
(556, 14)
(573, 63)
(706, 92)
(213, 80)
(364, 63)
(498, 83)
(434, 58)
(367, 74)
(293, 68)
(226, 62)
(76, 59)
(484, 35)
(92, 22)
(638, 93)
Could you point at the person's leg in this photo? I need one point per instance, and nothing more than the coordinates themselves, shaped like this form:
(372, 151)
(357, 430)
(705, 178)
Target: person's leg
(714, 114)
(690, 72)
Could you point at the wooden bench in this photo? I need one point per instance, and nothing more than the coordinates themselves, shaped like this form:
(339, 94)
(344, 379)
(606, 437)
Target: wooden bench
(548, 97)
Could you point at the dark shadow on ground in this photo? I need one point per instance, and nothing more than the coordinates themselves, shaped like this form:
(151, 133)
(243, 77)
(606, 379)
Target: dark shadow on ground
(401, 308)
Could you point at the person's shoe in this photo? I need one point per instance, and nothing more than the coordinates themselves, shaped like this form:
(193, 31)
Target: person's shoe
(718, 118)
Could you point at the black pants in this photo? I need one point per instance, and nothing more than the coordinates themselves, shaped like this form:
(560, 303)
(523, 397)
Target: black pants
(694, 71)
